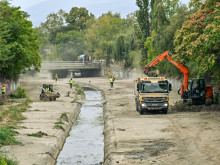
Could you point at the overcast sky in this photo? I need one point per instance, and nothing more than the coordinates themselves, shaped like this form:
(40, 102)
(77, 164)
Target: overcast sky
(39, 9)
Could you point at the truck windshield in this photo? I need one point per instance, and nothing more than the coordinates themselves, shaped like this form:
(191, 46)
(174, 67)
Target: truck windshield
(154, 87)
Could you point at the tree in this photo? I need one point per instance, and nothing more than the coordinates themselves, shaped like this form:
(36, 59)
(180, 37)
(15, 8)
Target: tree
(102, 34)
(77, 18)
(70, 45)
(143, 17)
(197, 43)
(55, 23)
(18, 40)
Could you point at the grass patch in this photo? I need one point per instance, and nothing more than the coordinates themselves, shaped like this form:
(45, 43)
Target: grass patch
(57, 126)
(59, 122)
(38, 134)
(7, 136)
(64, 116)
(79, 90)
(9, 117)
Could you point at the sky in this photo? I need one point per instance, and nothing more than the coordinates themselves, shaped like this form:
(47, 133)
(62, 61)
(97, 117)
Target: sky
(39, 9)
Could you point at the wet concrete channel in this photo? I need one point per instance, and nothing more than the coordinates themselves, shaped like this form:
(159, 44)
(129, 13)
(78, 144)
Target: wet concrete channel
(85, 143)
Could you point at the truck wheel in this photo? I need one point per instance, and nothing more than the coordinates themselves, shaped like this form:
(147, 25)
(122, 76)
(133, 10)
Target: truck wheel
(140, 110)
(164, 111)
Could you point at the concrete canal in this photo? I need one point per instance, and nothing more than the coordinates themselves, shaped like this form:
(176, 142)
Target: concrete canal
(85, 144)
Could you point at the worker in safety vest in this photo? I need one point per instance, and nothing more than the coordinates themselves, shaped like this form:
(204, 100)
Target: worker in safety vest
(56, 77)
(71, 83)
(3, 91)
(47, 89)
(111, 82)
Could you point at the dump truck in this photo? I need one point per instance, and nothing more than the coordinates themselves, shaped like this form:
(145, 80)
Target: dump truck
(48, 94)
(152, 94)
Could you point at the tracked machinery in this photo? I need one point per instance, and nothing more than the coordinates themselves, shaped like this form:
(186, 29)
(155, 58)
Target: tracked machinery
(193, 91)
(48, 94)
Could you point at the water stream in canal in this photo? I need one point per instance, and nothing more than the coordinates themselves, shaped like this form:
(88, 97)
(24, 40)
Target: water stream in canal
(85, 144)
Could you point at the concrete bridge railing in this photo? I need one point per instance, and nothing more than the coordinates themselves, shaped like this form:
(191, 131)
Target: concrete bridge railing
(50, 65)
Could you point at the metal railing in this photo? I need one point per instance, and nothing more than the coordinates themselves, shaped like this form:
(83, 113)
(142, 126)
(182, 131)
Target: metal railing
(69, 64)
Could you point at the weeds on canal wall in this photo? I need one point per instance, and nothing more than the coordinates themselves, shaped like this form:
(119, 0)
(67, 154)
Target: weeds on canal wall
(58, 125)
(79, 90)
(64, 116)
(38, 134)
(10, 115)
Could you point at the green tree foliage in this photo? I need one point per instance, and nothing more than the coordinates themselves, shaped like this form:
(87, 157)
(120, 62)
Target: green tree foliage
(78, 18)
(166, 18)
(54, 24)
(102, 33)
(143, 17)
(18, 41)
(70, 45)
(62, 36)
(112, 38)
(197, 43)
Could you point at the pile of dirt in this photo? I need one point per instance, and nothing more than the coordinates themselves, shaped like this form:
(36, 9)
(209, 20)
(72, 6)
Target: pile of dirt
(179, 106)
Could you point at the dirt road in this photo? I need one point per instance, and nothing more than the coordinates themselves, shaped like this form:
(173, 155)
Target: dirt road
(130, 139)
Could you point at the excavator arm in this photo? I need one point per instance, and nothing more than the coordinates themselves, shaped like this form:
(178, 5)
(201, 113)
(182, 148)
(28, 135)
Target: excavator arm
(181, 67)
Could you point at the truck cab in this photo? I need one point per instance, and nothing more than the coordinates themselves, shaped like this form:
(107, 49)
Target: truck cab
(152, 94)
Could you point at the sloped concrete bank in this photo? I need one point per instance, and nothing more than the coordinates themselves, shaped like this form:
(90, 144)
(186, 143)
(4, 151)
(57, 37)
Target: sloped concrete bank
(42, 117)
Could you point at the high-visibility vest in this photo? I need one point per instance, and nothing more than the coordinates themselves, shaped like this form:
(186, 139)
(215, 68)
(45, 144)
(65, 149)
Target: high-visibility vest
(56, 76)
(71, 81)
(47, 89)
(3, 89)
(111, 79)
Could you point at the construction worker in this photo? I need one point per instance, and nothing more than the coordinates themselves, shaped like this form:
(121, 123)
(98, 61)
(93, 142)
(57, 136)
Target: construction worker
(56, 77)
(3, 91)
(47, 88)
(71, 83)
(111, 82)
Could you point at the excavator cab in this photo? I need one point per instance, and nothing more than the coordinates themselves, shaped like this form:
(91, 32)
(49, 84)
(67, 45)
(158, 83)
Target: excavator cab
(197, 90)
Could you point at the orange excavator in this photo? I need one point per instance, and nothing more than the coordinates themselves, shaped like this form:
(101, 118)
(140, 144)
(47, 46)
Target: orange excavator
(193, 91)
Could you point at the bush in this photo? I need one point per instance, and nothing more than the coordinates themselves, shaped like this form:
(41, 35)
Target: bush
(7, 136)
(21, 93)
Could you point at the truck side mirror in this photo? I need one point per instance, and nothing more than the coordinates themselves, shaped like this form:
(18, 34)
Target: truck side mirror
(170, 87)
(137, 87)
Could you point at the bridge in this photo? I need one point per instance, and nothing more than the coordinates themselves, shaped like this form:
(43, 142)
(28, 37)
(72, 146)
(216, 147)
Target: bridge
(75, 68)
(54, 65)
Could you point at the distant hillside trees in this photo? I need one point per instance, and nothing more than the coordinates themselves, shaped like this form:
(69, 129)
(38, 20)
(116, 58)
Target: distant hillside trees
(18, 42)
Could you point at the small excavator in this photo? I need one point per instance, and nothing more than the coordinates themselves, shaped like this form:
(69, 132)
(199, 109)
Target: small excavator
(192, 91)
